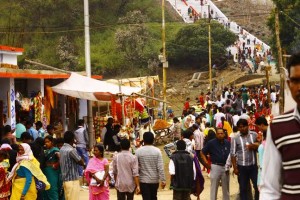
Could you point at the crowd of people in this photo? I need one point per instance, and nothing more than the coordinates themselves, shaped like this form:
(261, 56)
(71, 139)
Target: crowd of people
(235, 117)
(228, 132)
(257, 54)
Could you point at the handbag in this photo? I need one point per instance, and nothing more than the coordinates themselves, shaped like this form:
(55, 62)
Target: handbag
(40, 185)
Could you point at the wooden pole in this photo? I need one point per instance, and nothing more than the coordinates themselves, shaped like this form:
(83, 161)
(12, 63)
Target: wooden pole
(209, 52)
(165, 64)
(280, 62)
(268, 68)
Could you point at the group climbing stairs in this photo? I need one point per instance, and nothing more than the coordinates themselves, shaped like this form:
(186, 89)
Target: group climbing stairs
(201, 11)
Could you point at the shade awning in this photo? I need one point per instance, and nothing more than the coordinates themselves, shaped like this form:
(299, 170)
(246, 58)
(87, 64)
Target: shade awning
(91, 89)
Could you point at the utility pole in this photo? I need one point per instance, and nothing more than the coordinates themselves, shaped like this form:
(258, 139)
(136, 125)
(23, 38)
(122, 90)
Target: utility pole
(88, 70)
(268, 69)
(209, 52)
(164, 58)
(280, 62)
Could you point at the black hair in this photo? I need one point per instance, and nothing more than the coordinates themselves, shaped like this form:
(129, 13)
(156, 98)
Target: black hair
(5, 141)
(294, 60)
(80, 122)
(148, 138)
(100, 147)
(59, 141)
(125, 144)
(181, 145)
(235, 129)
(14, 147)
(218, 128)
(50, 138)
(69, 137)
(220, 109)
(26, 136)
(207, 124)
(50, 127)
(39, 141)
(187, 133)
(7, 129)
(175, 120)
(195, 126)
(39, 124)
(243, 122)
(110, 120)
(29, 123)
(261, 120)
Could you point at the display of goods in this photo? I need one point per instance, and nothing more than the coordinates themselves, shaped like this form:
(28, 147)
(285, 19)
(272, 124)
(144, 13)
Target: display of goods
(25, 104)
(160, 124)
(99, 123)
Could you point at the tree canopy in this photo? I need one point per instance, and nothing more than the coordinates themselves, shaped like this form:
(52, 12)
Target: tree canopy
(190, 45)
(289, 20)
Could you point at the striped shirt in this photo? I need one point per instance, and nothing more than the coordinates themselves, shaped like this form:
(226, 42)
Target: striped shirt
(151, 168)
(239, 149)
(68, 163)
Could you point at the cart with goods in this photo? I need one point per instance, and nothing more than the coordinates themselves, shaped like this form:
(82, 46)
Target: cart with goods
(163, 133)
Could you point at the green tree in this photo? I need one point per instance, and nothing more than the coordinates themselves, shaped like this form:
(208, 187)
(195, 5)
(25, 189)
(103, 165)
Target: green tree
(132, 39)
(289, 16)
(66, 54)
(190, 46)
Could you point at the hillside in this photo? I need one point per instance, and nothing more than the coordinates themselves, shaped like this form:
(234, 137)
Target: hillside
(253, 18)
(52, 31)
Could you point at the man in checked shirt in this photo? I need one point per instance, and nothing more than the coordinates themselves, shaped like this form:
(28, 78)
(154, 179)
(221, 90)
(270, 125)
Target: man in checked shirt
(243, 156)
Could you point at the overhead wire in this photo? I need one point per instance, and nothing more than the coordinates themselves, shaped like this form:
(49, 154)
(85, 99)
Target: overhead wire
(294, 21)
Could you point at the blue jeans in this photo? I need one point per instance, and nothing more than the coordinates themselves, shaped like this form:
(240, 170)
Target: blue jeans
(247, 173)
(82, 152)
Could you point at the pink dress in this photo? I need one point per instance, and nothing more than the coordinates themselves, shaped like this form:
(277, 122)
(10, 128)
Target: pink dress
(97, 192)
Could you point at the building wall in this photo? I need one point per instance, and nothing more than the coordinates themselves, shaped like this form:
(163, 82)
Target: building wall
(4, 82)
(8, 96)
(35, 85)
(9, 59)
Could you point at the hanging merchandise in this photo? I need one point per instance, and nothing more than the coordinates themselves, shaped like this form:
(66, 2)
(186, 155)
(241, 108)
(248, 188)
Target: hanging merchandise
(37, 107)
(99, 123)
(48, 102)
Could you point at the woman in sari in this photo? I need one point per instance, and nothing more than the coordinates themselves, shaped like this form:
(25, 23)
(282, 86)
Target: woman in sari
(52, 170)
(4, 184)
(23, 173)
(98, 184)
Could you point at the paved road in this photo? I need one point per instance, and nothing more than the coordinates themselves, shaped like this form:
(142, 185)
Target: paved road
(167, 194)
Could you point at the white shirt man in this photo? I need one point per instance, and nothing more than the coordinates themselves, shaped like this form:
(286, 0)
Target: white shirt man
(235, 118)
(218, 117)
(250, 102)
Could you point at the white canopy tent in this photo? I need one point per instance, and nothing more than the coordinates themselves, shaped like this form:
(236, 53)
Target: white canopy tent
(91, 89)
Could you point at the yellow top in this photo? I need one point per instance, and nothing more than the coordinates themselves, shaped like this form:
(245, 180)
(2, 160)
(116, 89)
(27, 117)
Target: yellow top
(34, 167)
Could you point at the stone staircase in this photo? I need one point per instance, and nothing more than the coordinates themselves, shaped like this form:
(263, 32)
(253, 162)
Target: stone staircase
(201, 11)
